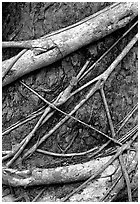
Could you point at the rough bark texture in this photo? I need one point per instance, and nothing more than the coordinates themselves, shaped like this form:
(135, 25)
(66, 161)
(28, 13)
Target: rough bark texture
(68, 40)
(79, 172)
(24, 21)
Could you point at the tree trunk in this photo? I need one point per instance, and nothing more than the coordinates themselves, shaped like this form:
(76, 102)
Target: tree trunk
(79, 172)
(52, 47)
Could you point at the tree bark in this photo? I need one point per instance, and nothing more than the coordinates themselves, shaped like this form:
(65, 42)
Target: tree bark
(79, 172)
(65, 41)
(65, 174)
